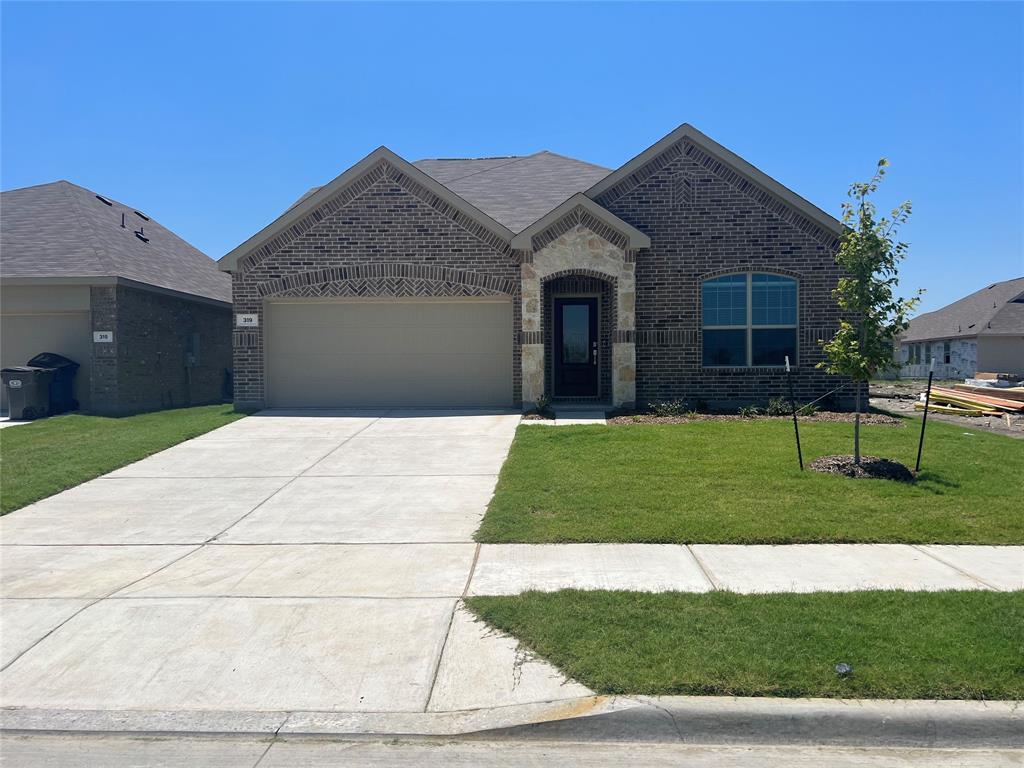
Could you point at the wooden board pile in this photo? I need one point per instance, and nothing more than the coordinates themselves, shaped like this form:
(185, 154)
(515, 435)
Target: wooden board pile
(964, 400)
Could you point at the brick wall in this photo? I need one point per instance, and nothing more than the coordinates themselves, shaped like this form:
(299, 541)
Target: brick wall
(144, 368)
(704, 219)
(386, 236)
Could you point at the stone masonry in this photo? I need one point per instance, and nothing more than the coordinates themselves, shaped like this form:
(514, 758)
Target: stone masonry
(580, 251)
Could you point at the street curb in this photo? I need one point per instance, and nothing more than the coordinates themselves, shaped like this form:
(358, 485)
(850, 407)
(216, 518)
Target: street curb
(304, 723)
(708, 720)
(714, 720)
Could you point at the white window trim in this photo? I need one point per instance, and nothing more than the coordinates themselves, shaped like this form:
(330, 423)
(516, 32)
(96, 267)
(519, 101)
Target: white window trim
(750, 327)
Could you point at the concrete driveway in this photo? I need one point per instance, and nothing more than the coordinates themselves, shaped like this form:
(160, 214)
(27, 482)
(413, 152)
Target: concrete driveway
(288, 562)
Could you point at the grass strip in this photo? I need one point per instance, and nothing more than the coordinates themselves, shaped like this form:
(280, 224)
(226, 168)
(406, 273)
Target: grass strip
(738, 482)
(48, 456)
(902, 645)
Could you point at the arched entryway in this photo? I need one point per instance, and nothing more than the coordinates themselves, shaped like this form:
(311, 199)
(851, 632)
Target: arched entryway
(579, 318)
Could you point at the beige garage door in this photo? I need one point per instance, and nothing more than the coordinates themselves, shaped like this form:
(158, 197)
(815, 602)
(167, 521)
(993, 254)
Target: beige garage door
(331, 354)
(26, 335)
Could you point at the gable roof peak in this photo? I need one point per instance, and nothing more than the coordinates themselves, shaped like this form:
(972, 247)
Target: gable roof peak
(634, 238)
(297, 214)
(686, 131)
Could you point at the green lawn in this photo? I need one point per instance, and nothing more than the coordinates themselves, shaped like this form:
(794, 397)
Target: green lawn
(929, 645)
(738, 482)
(40, 459)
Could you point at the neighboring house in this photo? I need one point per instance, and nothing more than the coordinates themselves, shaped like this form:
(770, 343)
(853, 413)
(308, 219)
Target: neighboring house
(685, 274)
(146, 315)
(981, 332)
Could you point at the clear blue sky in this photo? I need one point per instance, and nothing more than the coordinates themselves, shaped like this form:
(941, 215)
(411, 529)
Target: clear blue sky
(214, 117)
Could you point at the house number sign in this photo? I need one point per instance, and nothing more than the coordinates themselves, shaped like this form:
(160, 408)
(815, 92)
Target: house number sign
(103, 337)
(247, 321)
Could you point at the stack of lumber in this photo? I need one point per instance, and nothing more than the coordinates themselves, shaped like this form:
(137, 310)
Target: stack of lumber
(1004, 393)
(974, 401)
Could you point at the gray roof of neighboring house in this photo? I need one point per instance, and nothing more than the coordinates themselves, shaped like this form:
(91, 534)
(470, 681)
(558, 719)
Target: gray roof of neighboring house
(62, 230)
(996, 309)
(515, 191)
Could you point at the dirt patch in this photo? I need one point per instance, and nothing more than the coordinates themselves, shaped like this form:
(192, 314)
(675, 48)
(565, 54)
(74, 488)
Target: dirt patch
(870, 466)
(1011, 427)
(881, 419)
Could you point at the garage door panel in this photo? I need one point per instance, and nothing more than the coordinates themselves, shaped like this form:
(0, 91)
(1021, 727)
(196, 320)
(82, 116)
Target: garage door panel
(303, 342)
(429, 353)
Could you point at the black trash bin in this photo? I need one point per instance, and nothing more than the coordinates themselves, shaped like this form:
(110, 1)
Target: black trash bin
(62, 388)
(28, 391)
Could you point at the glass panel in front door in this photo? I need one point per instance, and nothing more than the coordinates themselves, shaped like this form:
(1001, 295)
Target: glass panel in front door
(575, 333)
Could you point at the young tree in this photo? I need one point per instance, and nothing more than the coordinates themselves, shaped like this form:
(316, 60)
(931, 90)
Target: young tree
(872, 317)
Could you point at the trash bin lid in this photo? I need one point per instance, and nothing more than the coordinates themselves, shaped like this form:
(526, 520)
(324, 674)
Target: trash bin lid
(23, 369)
(51, 360)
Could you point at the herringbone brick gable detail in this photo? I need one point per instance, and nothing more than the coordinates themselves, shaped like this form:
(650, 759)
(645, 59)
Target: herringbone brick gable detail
(364, 279)
(389, 287)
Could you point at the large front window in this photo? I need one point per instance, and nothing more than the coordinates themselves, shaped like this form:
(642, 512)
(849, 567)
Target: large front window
(749, 319)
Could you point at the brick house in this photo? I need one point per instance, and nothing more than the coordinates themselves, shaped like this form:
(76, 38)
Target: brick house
(684, 274)
(146, 315)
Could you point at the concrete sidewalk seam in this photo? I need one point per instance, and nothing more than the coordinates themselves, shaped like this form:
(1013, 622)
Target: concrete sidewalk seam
(715, 585)
(472, 571)
(958, 569)
(440, 657)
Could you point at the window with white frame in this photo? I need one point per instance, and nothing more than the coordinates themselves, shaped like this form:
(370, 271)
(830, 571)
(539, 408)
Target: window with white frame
(749, 319)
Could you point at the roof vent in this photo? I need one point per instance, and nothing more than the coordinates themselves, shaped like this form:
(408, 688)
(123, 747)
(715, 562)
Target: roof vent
(103, 200)
(140, 233)
(142, 216)
(122, 221)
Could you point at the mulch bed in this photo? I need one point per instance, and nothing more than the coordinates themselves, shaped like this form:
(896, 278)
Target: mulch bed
(870, 466)
(865, 418)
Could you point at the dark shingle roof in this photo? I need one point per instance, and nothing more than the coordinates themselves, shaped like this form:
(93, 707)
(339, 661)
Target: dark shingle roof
(63, 230)
(991, 310)
(515, 191)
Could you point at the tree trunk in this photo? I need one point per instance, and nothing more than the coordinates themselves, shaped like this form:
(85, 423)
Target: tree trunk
(862, 333)
(856, 425)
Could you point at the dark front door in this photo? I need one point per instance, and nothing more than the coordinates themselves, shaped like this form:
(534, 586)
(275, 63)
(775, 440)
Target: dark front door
(575, 360)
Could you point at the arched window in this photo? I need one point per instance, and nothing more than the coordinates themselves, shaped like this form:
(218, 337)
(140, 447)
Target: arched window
(749, 319)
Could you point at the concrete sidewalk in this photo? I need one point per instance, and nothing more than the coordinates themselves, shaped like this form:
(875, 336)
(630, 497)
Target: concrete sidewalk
(508, 569)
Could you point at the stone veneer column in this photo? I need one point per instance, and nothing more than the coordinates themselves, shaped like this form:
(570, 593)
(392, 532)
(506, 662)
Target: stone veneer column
(532, 340)
(581, 249)
(623, 344)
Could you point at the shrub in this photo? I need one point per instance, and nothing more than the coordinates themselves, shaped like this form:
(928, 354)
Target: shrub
(779, 406)
(749, 411)
(669, 408)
